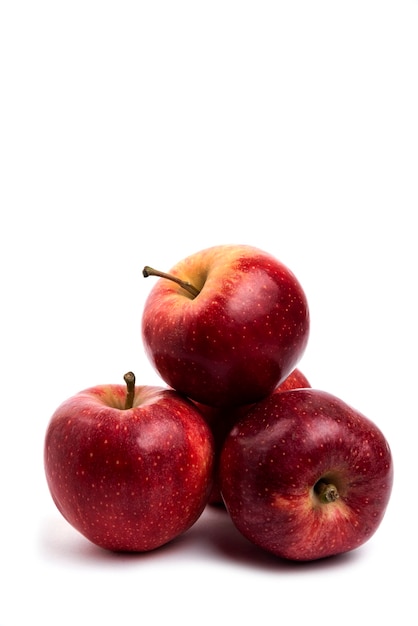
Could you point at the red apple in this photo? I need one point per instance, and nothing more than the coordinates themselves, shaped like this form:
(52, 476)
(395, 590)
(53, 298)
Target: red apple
(130, 469)
(221, 421)
(226, 325)
(295, 380)
(306, 476)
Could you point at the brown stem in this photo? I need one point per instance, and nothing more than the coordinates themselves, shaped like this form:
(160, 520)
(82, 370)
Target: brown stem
(150, 271)
(129, 379)
(326, 492)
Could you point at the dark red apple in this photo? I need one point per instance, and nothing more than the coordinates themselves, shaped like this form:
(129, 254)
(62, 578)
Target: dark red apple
(221, 421)
(130, 469)
(226, 325)
(306, 476)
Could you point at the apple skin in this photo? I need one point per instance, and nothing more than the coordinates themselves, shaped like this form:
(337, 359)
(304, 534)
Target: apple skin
(221, 422)
(129, 480)
(272, 461)
(235, 341)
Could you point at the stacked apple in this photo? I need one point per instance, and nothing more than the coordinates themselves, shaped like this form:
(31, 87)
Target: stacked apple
(301, 474)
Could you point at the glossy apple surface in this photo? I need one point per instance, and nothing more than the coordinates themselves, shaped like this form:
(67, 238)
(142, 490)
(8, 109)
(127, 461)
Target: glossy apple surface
(221, 422)
(305, 476)
(129, 479)
(238, 338)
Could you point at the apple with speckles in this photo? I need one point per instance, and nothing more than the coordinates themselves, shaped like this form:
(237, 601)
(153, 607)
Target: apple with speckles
(130, 467)
(221, 422)
(306, 476)
(226, 325)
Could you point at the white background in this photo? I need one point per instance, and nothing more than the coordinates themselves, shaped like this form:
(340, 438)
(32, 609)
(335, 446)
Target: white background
(136, 133)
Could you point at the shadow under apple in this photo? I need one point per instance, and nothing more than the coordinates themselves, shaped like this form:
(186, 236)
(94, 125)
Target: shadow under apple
(225, 539)
(58, 541)
(213, 538)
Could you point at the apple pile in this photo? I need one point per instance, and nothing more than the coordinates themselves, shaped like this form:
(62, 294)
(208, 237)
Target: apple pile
(301, 474)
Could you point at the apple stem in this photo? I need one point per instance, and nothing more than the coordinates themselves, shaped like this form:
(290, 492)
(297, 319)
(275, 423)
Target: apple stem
(129, 379)
(326, 492)
(150, 271)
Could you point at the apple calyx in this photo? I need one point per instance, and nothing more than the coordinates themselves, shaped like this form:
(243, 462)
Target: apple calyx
(326, 492)
(150, 271)
(129, 379)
